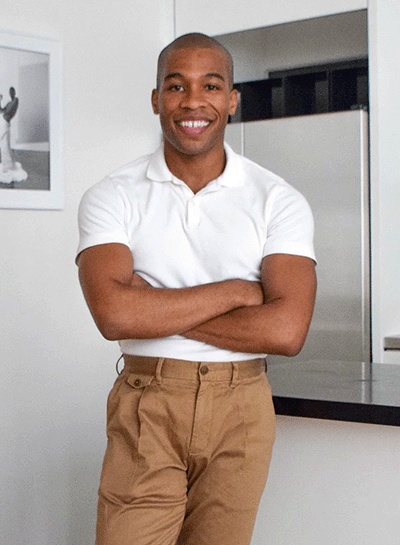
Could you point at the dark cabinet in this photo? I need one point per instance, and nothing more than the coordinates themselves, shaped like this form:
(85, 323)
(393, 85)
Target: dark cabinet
(304, 91)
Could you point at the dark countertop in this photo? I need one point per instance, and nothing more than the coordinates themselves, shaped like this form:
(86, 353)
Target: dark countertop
(337, 390)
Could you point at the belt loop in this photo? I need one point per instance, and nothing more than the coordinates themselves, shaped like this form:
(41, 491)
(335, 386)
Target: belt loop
(235, 375)
(158, 370)
(117, 366)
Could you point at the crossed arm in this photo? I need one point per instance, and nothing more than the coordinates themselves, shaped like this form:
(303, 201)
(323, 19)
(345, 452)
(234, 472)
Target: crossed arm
(268, 317)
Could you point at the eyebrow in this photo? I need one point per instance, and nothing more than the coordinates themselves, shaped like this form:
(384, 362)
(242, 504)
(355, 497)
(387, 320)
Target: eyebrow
(215, 75)
(208, 75)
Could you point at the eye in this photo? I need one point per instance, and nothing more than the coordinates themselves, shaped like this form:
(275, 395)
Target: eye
(175, 87)
(211, 87)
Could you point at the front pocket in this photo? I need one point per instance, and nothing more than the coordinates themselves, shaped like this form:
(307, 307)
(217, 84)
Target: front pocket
(259, 415)
(121, 459)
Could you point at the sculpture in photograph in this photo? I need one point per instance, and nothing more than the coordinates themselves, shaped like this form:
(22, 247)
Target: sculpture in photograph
(10, 170)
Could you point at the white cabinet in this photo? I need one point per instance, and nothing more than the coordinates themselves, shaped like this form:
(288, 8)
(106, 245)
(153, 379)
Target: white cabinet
(392, 356)
(226, 16)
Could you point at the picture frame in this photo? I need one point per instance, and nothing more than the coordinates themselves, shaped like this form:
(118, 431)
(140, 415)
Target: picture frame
(31, 172)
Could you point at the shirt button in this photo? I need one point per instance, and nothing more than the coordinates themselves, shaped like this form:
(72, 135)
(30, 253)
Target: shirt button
(204, 370)
(137, 383)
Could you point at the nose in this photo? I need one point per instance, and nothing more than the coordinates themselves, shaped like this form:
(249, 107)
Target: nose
(193, 98)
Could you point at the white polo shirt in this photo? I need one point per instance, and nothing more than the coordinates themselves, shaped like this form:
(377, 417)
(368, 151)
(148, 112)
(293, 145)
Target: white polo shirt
(181, 239)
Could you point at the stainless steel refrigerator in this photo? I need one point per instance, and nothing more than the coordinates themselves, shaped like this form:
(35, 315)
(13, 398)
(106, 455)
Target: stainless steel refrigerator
(325, 156)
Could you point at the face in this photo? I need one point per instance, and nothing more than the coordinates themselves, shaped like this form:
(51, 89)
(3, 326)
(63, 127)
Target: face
(194, 100)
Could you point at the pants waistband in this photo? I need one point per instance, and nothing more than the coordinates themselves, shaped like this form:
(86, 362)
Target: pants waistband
(193, 370)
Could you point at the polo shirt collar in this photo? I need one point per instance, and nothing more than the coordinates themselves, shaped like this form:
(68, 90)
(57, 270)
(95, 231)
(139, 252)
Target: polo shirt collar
(232, 176)
(157, 169)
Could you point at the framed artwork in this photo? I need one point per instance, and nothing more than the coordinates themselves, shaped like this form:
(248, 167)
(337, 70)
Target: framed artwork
(30, 123)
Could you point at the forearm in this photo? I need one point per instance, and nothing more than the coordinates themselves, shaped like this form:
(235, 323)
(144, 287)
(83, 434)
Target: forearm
(262, 329)
(145, 312)
(124, 306)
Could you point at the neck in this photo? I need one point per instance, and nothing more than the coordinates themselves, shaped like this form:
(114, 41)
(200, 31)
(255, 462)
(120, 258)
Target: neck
(196, 170)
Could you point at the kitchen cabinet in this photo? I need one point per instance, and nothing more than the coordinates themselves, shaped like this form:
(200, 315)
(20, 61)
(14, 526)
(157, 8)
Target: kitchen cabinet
(334, 87)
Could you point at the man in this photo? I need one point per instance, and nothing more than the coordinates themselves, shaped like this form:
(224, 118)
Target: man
(199, 263)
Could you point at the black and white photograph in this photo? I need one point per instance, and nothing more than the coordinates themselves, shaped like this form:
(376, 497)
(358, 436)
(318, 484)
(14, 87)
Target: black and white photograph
(30, 173)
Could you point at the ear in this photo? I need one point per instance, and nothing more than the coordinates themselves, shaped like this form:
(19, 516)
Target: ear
(154, 101)
(233, 101)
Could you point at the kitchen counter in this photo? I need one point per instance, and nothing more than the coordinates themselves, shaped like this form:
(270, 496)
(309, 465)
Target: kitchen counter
(337, 390)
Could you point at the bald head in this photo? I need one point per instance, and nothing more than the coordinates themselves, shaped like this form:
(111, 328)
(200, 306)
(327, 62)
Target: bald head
(193, 41)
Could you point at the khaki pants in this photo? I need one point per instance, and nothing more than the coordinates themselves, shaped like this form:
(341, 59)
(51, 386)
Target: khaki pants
(189, 446)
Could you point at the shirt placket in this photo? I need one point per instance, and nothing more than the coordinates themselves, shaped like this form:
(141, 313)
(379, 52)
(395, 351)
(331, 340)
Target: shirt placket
(193, 212)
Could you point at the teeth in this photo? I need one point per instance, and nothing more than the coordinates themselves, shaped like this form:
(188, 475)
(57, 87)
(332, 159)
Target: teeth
(194, 124)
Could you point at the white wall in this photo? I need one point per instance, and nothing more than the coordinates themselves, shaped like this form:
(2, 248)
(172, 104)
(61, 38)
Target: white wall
(56, 369)
(384, 47)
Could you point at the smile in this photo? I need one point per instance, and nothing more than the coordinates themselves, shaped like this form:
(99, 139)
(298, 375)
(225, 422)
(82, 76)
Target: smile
(194, 124)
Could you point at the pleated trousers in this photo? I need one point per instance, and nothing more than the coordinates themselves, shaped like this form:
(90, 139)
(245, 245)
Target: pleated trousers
(188, 452)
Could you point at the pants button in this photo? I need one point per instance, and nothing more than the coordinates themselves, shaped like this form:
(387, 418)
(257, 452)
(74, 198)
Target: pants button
(204, 370)
(138, 383)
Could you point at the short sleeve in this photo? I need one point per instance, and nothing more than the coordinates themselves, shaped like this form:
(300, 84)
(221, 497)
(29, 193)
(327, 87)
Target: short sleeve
(290, 224)
(101, 216)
